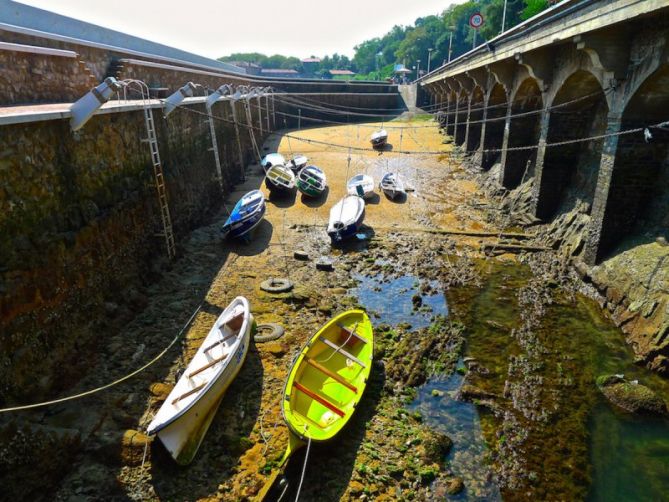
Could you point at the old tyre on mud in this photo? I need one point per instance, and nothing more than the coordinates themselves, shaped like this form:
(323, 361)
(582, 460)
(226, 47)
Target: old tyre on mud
(267, 332)
(276, 285)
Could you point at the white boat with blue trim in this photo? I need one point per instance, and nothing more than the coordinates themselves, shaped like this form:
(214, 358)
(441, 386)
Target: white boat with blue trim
(184, 418)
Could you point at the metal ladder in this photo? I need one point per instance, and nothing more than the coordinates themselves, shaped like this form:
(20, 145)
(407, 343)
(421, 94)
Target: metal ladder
(168, 232)
(249, 120)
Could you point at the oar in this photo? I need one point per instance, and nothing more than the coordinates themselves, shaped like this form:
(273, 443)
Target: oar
(294, 444)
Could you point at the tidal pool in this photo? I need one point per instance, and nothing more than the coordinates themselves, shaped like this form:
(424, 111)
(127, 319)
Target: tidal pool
(573, 444)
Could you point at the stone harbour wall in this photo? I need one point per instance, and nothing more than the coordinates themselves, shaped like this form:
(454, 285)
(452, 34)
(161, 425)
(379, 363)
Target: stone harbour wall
(78, 222)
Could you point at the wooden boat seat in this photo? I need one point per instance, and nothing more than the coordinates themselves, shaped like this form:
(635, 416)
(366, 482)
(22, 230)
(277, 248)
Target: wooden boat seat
(342, 351)
(188, 393)
(208, 365)
(222, 340)
(348, 332)
(331, 374)
(319, 399)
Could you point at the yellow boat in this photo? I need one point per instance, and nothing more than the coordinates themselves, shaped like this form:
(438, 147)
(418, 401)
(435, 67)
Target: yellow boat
(326, 382)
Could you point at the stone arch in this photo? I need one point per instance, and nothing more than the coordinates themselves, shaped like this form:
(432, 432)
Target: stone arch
(461, 117)
(569, 172)
(496, 104)
(524, 130)
(476, 104)
(638, 201)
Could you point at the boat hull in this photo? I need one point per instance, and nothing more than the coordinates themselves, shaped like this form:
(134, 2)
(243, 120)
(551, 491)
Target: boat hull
(329, 376)
(342, 229)
(184, 418)
(183, 437)
(242, 221)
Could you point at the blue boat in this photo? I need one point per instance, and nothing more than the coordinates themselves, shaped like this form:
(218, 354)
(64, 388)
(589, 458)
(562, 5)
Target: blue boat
(246, 215)
(345, 218)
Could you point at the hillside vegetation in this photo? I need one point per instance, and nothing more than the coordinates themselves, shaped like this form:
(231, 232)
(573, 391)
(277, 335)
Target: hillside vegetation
(375, 58)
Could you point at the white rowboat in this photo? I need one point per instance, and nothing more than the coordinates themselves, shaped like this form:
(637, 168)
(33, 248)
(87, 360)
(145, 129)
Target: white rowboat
(280, 177)
(182, 421)
(345, 218)
(361, 185)
(392, 185)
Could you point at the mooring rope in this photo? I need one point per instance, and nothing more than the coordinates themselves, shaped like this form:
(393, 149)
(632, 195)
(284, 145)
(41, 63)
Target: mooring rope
(304, 470)
(112, 384)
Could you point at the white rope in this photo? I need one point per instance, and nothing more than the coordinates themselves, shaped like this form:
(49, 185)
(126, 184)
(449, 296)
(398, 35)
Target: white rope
(304, 469)
(112, 384)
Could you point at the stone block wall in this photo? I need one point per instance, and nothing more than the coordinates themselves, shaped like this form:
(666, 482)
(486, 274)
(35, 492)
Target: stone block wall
(78, 218)
(32, 77)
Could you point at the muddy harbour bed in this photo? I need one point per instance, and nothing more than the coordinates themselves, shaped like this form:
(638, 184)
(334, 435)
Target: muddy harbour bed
(493, 374)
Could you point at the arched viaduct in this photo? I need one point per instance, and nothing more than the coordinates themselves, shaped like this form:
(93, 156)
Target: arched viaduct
(583, 69)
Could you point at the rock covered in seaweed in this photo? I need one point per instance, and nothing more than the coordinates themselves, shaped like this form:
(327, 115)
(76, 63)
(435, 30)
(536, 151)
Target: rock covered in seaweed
(631, 395)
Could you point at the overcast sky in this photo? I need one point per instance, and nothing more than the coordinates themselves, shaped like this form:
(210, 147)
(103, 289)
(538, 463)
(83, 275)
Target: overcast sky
(216, 28)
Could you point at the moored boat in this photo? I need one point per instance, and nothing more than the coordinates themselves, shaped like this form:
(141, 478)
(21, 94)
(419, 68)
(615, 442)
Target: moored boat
(326, 382)
(346, 216)
(392, 185)
(379, 138)
(272, 159)
(361, 185)
(280, 178)
(246, 215)
(298, 162)
(182, 421)
(311, 181)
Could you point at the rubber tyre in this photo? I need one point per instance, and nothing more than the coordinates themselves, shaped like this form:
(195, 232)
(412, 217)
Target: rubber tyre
(276, 285)
(274, 331)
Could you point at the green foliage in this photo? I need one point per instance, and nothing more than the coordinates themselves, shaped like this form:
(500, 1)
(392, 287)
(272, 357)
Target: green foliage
(429, 38)
(533, 7)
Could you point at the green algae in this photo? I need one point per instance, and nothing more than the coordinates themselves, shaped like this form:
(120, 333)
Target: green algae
(551, 433)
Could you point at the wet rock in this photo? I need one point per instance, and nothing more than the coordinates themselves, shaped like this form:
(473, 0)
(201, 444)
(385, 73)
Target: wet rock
(133, 445)
(631, 396)
(435, 447)
(160, 390)
(454, 486)
(275, 348)
(470, 392)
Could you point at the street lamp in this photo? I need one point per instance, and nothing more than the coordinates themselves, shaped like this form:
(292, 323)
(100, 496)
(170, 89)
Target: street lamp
(429, 56)
(177, 98)
(88, 104)
(450, 42)
(418, 69)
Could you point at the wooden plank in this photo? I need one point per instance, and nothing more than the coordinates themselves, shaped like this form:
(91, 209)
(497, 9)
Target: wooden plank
(342, 351)
(351, 332)
(222, 340)
(319, 399)
(208, 365)
(190, 392)
(331, 374)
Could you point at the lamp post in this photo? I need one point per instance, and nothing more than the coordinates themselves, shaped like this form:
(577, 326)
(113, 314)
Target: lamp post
(88, 104)
(504, 17)
(429, 57)
(211, 99)
(418, 69)
(450, 43)
(177, 98)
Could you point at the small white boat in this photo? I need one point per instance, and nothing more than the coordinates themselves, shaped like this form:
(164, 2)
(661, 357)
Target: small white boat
(272, 159)
(298, 162)
(345, 218)
(392, 185)
(280, 178)
(182, 421)
(379, 139)
(361, 185)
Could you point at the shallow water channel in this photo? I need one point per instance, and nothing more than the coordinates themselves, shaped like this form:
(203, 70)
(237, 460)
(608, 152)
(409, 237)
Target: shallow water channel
(580, 447)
